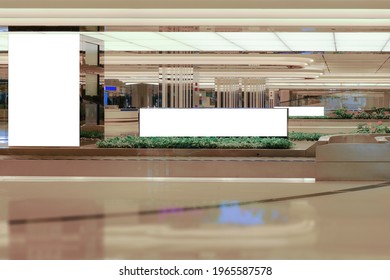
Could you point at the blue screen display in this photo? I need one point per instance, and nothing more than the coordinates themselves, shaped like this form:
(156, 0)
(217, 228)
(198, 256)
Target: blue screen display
(113, 88)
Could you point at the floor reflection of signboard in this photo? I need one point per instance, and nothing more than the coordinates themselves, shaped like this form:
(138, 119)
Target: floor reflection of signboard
(57, 237)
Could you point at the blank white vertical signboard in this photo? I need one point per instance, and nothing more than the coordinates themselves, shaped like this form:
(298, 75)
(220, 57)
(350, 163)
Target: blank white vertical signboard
(44, 85)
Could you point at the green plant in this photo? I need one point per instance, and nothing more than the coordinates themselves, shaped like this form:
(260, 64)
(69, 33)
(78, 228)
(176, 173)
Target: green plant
(196, 142)
(302, 136)
(372, 128)
(362, 115)
(91, 134)
(378, 113)
(311, 117)
(342, 113)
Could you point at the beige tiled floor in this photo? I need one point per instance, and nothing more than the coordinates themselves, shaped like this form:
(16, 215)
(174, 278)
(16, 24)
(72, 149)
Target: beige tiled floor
(141, 218)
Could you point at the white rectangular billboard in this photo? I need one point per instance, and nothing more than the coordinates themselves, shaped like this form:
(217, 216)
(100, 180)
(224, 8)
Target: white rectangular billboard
(304, 111)
(171, 122)
(44, 89)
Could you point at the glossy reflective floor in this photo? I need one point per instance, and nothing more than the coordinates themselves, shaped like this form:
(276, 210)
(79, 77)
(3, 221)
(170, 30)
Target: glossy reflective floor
(180, 218)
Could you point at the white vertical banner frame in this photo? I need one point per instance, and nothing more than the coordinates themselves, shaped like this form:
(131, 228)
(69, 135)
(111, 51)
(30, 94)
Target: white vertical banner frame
(44, 89)
(177, 122)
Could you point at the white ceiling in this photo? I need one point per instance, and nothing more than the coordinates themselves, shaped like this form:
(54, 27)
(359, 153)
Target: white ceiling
(357, 68)
(245, 41)
(240, 41)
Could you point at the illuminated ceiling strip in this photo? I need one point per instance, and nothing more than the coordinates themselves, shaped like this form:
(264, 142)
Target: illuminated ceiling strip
(283, 42)
(187, 41)
(165, 36)
(230, 41)
(135, 44)
(384, 46)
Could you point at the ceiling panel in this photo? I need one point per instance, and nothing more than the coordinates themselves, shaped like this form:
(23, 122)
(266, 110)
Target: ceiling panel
(252, 41)
(163, 45)
(359, 41)
(255, 41)
(308, 41)
(131, 36)
(3, 41)
(124, 46)
(356, 66)
(262, 46)
(197, 36)
(248, 36)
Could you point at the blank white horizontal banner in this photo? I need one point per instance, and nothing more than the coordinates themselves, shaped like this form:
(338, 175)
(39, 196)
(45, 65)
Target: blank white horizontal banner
(213, 122)
(304, 111)
(190, 269)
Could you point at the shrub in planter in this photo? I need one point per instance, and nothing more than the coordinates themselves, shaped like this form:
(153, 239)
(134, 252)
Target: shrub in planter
(342, 113)
(372, 128)
(362, 115)
(302, 136)
(196, 142)
(91, 134)
(312, 117)
(377, 113)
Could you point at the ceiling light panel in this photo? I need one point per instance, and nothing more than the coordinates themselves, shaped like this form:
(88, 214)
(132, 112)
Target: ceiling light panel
(212, 46)
(151, 40)
(263, 46)
(216, 47)
(164, 45)
(134, 36)
(308, 41)
(139, 41)
(204, 41)
(255, 41)
(96, 35)
(124, 46)
(387, 47)
(198, 36)
(3, 42)
(250, 41)
(362, 36)
(248, 36)
(359, 41)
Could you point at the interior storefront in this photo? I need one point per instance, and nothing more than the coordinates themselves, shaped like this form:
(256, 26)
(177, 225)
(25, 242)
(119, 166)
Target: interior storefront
(318, 193)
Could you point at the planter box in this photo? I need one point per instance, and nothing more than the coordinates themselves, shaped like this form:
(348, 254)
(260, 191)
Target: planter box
(156, 152)
(333, 126)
